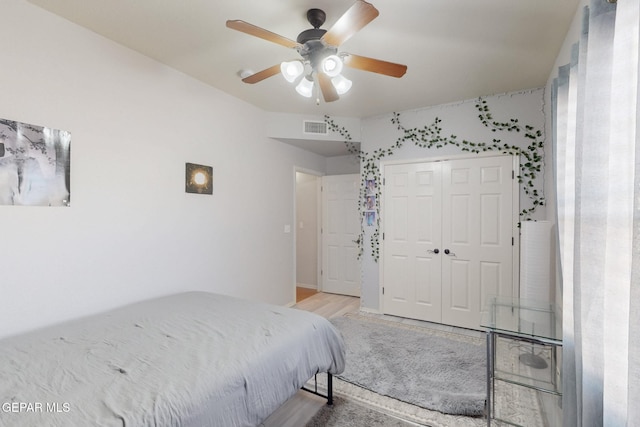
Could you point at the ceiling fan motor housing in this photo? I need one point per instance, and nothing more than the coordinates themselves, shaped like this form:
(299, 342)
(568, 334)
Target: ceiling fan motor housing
(310, 34)
(315, 51)
(316, 17)
(313, 48)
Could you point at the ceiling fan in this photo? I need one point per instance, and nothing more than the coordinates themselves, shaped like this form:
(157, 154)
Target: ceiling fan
(321, 62)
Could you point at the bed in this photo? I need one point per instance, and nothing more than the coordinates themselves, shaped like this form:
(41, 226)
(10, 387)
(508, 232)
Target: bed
(191, 359)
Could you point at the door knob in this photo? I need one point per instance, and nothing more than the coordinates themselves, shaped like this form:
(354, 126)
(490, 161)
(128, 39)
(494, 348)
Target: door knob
(435, 251)
(448, 252)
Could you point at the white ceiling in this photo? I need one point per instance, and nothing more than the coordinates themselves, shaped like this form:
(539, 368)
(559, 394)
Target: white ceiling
(454, 50)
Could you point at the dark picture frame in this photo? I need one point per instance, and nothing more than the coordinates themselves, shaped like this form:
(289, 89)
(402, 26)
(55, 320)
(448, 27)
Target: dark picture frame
(198, 179)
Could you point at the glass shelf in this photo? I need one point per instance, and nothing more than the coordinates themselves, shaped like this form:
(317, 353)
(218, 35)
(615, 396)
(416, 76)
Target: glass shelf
(524, 345)
(522, 318)
(515, 364)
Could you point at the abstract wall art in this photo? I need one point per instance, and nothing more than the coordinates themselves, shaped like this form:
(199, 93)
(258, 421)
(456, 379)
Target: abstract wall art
(34, 165)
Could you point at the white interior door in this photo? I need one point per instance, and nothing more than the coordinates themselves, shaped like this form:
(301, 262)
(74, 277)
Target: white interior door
(477, 236)
(340, 230)
(412, 243)
(448, 228)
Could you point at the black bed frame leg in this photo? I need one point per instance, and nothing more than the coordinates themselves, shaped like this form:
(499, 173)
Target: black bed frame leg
(329, 395)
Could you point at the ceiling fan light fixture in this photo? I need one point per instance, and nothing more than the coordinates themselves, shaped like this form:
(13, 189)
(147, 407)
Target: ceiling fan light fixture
(342, 84)
(319, 70)
(291, 70)
(305, 87)
(331, 65)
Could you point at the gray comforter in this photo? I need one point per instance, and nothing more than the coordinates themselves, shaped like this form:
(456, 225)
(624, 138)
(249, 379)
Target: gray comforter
(193, 359)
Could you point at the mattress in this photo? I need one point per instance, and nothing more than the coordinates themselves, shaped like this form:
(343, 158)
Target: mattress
(192, 359)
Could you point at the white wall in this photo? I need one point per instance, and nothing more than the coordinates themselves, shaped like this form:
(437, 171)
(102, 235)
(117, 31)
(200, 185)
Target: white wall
(307, 201)
(343, 165)
(460, 119)
(132, 232)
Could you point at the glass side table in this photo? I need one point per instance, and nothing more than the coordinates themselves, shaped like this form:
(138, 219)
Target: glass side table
(527, 335)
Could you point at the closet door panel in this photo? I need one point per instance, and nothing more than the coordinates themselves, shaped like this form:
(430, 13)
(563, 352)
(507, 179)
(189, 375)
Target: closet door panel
(477, 229)
(411, 226)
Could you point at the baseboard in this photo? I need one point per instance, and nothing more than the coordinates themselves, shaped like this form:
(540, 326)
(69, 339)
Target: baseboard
(370, 310)
(305, 285)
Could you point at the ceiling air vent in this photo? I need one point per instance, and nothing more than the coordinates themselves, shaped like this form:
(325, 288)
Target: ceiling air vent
(316, 128)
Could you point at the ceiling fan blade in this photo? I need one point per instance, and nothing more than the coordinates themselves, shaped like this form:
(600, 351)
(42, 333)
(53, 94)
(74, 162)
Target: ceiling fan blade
(252, 30)
(375, 65)
(261, 75)
(328, 90)
(353, 20)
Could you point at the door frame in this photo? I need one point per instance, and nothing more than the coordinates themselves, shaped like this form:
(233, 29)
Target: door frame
(318, 175)
(515, 218)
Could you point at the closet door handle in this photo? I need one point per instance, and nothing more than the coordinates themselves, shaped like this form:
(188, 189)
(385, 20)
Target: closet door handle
(448, 252)
(435, 251)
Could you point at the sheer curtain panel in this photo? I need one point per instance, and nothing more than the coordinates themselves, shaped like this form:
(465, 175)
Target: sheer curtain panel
(597, 173)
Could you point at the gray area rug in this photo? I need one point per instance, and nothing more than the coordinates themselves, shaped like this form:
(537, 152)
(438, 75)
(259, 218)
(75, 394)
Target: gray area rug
(430, 369)
(345, 413)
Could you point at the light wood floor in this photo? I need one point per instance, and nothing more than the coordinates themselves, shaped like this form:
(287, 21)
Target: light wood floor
(298, 410)
(330, 305)
(303, 293)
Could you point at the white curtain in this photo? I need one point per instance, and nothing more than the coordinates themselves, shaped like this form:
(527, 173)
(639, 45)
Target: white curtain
(597, 171)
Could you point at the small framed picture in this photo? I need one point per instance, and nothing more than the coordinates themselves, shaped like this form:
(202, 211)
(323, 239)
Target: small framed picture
(198, 179)
(371, 186)
(370, 218)
(370, 202)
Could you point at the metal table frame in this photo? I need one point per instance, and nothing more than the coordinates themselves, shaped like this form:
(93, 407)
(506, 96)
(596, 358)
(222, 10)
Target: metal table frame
(494, 332)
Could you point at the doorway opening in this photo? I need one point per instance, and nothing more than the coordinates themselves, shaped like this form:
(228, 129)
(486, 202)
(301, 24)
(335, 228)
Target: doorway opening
(307, 233)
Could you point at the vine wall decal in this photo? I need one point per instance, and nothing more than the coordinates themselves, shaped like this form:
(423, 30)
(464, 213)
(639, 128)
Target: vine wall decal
(429, 137)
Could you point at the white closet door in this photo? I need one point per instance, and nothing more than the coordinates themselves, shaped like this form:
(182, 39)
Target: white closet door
(447, 244)
(477, 232)
(412, 242)
(340, 230)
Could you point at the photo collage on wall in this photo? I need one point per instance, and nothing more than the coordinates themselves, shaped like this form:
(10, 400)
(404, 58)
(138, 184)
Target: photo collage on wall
(370, 203)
